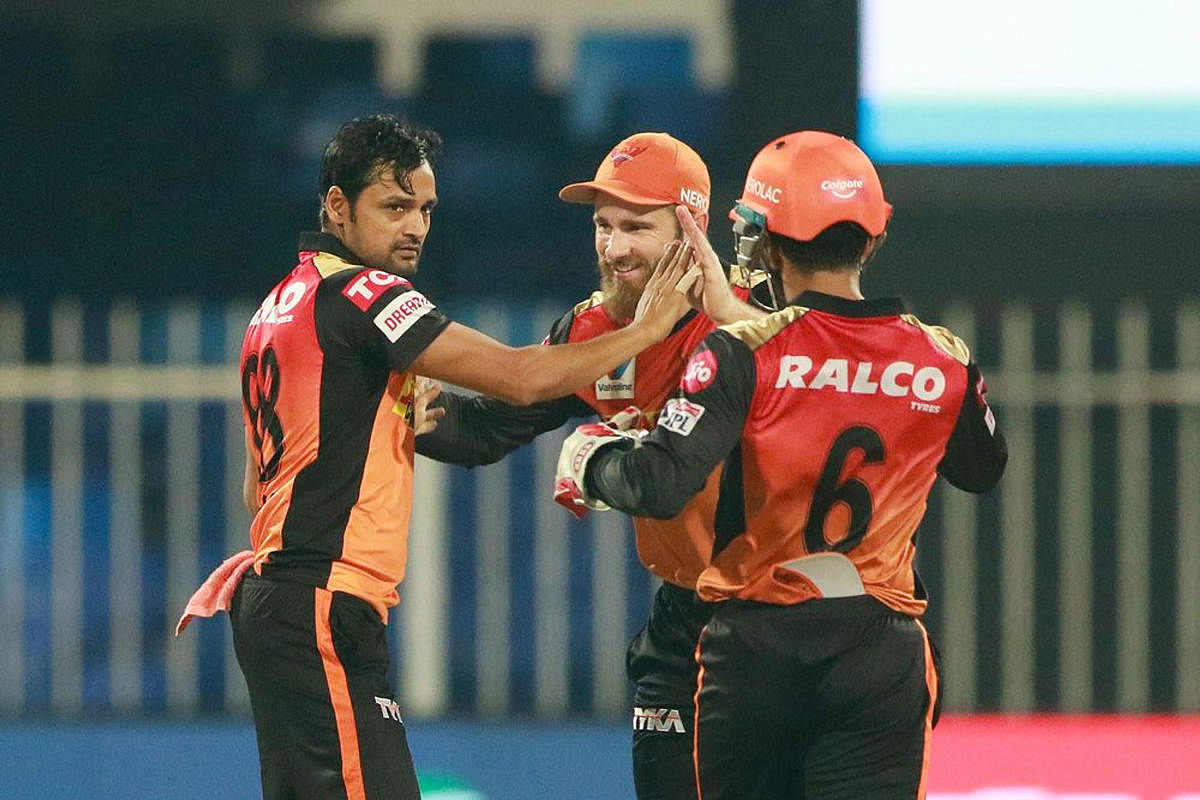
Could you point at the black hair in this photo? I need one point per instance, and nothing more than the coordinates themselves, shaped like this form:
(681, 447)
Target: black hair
(365, 147)
(838, 247)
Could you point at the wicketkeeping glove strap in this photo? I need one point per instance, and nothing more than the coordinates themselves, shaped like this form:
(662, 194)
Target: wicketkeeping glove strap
(577, 451)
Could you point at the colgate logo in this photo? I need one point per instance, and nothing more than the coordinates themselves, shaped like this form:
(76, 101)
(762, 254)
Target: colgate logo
(842, 188)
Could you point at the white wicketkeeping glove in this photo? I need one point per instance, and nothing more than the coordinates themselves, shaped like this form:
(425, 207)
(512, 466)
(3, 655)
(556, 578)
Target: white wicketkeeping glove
(577, 451)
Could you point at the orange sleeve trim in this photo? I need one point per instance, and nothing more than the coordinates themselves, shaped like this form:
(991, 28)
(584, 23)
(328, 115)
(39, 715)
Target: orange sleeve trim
(696, 720)
(931, 684)
(339, 695)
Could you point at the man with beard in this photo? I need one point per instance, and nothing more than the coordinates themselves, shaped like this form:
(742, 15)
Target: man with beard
(833, 417)
(634, 195)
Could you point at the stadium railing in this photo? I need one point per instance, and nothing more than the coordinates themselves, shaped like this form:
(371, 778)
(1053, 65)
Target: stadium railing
(1075, 586)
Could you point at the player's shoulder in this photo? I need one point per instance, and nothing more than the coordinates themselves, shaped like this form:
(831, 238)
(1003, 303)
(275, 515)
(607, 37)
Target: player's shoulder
(363, 287)
(564, 327)
(755, 333)
(941, 338)
(333, 267)
(593, 303)
(587, 319)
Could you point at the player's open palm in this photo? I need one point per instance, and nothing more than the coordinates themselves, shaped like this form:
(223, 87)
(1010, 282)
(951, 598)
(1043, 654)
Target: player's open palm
(426, 418)
(661, 304)
(710, 292)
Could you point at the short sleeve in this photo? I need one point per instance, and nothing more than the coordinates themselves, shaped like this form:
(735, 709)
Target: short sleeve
(378, 314)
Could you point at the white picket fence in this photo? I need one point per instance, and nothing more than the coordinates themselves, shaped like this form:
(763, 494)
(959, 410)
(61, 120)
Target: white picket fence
(120, 489)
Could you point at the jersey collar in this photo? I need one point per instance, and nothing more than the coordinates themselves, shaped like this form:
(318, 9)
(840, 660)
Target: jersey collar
(327, 243)
(881, 307)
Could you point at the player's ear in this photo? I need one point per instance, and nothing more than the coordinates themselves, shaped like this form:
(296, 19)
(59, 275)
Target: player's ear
(337, 206)
(871, 248)
(701, 220)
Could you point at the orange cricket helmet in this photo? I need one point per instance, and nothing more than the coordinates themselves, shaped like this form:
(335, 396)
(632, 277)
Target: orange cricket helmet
(801, 183)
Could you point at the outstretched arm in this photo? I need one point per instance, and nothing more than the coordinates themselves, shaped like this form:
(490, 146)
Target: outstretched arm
(696, 431)
(524, 375)
(482, 430)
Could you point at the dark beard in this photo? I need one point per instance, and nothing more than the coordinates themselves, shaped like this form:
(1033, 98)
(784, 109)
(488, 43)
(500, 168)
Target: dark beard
(620, 298)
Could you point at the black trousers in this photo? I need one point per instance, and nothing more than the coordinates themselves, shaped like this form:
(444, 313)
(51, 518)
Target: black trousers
(316, 665)
(661, 662)
(824, 700)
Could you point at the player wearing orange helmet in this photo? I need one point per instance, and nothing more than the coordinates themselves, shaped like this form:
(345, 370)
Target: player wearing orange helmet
(833, 417)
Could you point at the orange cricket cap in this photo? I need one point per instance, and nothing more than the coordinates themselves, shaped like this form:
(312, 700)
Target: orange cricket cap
(806, 181)
(648, 169)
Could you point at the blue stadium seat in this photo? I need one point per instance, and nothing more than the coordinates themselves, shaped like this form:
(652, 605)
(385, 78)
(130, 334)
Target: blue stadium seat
(452, 63)
(485, 88)
(607, 64)
(693, 115)
(302, 63)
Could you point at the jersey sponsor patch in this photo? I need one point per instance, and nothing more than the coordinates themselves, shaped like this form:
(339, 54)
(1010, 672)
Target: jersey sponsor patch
(369, 286)
(897, 379)
(700, 371)
(618, 384)
(400, 314)
(843, 188)
(277, 308)
(680, 415)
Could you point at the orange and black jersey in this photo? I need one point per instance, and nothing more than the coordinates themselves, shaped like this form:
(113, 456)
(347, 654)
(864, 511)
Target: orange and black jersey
(833, 418)
(481, 430)
(327, 403)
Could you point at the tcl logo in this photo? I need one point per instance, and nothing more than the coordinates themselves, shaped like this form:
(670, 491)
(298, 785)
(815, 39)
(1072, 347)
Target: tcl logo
(369, 286)
(767, 192)
(896, 379)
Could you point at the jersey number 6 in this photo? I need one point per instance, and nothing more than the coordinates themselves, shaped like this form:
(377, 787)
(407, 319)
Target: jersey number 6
(853, 492)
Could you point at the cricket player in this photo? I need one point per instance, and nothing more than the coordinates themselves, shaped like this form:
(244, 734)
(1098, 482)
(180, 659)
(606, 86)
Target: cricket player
(830, 420)
(328, 371)
(634, 196)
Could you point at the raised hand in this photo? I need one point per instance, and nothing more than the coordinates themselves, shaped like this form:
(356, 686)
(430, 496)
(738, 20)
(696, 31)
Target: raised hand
(710, 292)
(661, 306)
(425, 418)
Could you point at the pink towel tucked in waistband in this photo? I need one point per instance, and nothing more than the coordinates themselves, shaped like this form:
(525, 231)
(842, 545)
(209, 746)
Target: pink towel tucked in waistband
(216, 593)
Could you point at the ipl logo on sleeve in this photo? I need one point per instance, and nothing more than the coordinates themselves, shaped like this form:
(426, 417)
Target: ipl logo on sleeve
(680, 416)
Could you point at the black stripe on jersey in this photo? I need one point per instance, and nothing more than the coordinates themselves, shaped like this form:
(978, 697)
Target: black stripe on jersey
(730, 521)
(977, 452)
(320, 241)
(844, 307)
(658, 478)
(357, 360)
(326, 490)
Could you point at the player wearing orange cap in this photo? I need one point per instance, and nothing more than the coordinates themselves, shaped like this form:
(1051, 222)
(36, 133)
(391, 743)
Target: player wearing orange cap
(832, 417)
(637, 191)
